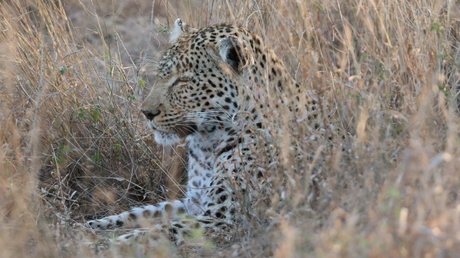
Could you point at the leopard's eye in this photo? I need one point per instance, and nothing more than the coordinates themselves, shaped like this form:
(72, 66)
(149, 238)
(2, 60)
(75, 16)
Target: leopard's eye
(185, 79)
(180, 80)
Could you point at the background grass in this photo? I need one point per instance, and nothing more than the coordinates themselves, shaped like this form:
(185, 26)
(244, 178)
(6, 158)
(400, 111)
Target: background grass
(74, 146)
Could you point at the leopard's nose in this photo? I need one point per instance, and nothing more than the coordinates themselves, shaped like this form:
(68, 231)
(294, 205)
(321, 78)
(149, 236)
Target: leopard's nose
(150, 114)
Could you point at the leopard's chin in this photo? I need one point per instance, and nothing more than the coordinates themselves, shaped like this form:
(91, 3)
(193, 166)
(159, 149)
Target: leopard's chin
(166, 138)
(173, 135)
(170, 138)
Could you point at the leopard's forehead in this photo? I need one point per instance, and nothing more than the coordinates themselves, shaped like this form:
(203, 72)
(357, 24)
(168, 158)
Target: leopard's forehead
(190, 48)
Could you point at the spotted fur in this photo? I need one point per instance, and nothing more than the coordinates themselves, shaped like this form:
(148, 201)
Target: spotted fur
(211, 90)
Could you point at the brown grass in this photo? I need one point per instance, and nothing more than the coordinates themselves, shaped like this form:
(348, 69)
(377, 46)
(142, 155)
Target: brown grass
(74, 146)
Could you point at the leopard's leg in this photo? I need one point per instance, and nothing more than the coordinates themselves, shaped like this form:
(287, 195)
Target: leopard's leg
(176, 231)
(175, 225)
(161, 211)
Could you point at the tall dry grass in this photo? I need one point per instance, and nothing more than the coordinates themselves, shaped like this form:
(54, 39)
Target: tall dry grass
(74, 146)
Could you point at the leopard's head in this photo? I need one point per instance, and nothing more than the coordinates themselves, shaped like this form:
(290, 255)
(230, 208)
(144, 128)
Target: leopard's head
(198, 83)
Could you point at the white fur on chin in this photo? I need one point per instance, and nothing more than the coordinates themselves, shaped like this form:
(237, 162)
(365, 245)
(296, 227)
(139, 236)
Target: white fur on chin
(165, 138)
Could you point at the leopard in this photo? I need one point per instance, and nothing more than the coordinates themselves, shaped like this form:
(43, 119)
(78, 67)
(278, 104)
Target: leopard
(211, 92)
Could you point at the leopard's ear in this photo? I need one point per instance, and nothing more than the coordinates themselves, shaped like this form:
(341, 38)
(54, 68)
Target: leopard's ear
(234, 52)
(176, 31)
(179, 28)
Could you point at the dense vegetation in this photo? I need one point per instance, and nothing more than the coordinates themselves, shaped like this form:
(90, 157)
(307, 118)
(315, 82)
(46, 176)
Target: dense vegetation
(74, 145)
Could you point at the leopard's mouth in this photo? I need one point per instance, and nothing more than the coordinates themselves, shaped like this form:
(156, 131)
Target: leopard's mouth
(182, 130)
(170, 138)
